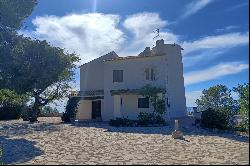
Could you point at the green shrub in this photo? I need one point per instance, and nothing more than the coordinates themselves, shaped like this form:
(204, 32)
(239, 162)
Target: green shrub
(122, 122)
(243, 92)
(10, 112)
(158, 119)
(71, 109)
(11, 104)
(145, 119)
(241, 127)
(157, 99)
(65, 117)
(215, 119)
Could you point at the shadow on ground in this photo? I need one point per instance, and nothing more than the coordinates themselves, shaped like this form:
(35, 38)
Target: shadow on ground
(18, 150)
(23, 128)
(187, 129)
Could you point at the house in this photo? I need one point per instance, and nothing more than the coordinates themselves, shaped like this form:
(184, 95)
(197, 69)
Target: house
(109, 84)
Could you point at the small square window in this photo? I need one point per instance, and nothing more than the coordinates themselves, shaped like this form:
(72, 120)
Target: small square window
(117, 75)
(143, 102)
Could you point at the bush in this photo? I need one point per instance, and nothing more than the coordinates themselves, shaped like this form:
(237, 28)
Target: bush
(215, 119)
(10, 112)
(145, 119)
(158, 119)
(243, 92)
(241, 127)
(118, 122)
(11, 104)
(71, 109)
(65, 117)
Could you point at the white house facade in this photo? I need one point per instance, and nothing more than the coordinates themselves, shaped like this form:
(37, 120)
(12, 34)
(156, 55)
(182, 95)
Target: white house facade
(109, 84)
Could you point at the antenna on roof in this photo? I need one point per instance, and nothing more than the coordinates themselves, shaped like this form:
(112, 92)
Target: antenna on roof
(157, 32)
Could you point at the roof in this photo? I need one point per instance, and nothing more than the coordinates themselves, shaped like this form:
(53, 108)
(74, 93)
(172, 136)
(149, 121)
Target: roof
(130, 57)
(109, 55)
(147, 53)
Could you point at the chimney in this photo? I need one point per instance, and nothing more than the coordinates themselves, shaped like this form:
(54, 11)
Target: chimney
(159, 43)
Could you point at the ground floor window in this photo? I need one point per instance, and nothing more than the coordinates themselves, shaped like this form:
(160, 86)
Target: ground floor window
(143, 102)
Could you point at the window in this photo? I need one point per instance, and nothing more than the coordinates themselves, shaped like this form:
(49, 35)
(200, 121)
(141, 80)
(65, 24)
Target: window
(150, 74)
(143, 102)
(117, 75)
(147, 74)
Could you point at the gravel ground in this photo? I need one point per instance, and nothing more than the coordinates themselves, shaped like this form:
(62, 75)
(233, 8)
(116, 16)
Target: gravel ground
(52, 142)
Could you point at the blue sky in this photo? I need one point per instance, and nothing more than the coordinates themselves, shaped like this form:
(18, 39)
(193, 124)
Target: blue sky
(213, 33)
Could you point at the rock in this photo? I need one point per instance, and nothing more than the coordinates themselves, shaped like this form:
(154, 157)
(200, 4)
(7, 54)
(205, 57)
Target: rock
(177, 135)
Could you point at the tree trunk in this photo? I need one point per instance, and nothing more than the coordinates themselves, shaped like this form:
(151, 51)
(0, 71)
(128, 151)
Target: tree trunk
(35, 111)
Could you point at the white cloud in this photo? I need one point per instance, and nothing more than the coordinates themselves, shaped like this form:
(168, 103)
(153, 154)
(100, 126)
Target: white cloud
(217, 42)
(194, 7)
(211, 47)
(191, 97)
(237, 6)
(227, 28)
(142, 25)
(198, 58)
(90, 35)
(214, 72)
(94, 34)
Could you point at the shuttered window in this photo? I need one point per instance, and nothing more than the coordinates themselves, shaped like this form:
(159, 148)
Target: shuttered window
(147, 74)
(150, 74)
(117, 75)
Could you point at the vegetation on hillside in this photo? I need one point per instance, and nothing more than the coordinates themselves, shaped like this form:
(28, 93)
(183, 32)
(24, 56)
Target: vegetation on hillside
(243, 92)
(219, 107)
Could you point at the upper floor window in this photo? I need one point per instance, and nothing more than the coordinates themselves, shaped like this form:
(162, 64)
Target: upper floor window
(147, 74)
(117, 75)
(150, 74)
(143, 102)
